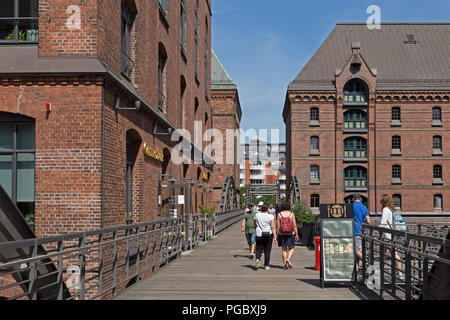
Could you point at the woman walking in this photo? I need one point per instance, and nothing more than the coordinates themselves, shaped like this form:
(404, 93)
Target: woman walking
(265, 235)
(387, 221)
(287, 234)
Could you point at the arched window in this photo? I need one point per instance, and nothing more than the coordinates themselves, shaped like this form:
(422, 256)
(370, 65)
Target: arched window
(355, 147)
(17, 161)
(133, 141)
(396, 145)
(182, 91)
(162, 78)
(355, 119)
(128, 15)
(314, 145)
(437, 114)
(355, 177)
(437, 174)
(356, 91)
(397, 201)
(314, 175)
(396, 174)
(437, 145)
(396, 114)
(315, 201)
(437, 202)
(183, 25)
(314, 114)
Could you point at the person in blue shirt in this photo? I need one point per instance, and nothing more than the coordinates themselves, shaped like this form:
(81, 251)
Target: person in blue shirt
(360, 213)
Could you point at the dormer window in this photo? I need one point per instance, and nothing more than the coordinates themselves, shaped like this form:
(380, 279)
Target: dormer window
(411, 38)
(355, 91)
(19, 21)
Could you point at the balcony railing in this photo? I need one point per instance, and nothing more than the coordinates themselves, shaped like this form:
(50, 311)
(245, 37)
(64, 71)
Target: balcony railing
(355, 97)
(355, 125)
(358, 154)
(356, 182)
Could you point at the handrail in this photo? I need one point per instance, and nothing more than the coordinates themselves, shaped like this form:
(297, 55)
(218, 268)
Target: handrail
(410, 257)
(99, 264)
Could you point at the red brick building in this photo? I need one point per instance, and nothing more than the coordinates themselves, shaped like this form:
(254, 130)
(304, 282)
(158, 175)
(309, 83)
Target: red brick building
(226, 115)
(370, 113)
(89, 96)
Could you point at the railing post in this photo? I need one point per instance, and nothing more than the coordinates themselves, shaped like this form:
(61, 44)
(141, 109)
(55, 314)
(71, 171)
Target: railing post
(407, 271)
(138, 252)
(364, 259)
(100, 265)
(82, 264)
(154, 248)
(425, 279)
(393, 271)
(127, 254)
(381, 269)
(60, 271)
(33, 287)
(115, 253)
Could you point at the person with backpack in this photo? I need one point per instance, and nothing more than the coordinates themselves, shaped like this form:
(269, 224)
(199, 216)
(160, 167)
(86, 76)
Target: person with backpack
(265, 235)
(389, 217)
(248, 225)
(287, 234)
(360, 213)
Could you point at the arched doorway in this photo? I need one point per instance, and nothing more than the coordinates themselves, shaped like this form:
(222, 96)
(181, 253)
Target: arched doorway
(133, 144)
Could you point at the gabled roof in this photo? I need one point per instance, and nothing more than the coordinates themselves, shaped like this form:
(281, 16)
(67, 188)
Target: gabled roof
(220, 79)
(400, 65)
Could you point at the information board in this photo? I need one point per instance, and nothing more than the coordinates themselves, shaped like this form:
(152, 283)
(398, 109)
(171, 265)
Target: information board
(337, 254)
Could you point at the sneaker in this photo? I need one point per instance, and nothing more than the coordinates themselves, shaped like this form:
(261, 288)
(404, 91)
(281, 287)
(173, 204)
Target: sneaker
(400, 276)
(252, 256)
(267, 267)
(257, 264)
(285, 267)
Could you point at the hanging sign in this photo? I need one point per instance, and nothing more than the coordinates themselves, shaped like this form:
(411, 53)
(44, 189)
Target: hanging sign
(153, 153)
(337, 247)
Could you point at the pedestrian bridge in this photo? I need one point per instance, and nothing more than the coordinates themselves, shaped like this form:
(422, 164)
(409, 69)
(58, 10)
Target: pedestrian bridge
(221, 270)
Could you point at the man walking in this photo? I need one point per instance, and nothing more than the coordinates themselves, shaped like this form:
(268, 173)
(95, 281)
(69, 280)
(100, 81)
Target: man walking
(360, 213)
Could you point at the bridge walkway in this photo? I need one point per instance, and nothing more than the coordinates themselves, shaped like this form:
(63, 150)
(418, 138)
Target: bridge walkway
(221, 270)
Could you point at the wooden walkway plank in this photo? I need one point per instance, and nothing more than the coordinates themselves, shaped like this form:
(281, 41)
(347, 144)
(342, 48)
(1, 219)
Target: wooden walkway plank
(221, 270)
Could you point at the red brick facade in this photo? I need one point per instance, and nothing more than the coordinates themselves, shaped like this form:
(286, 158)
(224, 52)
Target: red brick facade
(416, 129)
(81, 144)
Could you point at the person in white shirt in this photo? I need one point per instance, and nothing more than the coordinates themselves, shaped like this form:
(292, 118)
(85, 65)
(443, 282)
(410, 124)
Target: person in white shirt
(387, 221)
(265, 235)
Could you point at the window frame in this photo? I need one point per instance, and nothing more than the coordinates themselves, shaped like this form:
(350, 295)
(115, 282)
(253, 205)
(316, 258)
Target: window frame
(397, 199)
(436, 196)
(314, 174)
(16, 23)
(354, 145)
(314, 199)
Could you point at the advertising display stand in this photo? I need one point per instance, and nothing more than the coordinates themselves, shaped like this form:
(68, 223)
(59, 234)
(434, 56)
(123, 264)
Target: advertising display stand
(337, 243)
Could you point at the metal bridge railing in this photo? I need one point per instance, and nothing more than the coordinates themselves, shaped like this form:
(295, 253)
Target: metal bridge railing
(100, 264)
(415, 252)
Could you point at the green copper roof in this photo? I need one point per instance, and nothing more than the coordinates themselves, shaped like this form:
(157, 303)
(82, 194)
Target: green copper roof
(220, 79)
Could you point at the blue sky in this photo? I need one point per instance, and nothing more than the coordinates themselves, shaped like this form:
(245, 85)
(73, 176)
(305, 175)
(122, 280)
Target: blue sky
(264, 44)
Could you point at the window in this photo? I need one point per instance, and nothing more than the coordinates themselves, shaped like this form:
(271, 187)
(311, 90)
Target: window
(314, 114)
(355, 147)
(314, 146)
(315, 201)
(163, 7)
(162, 60)
(19, 21)
(355, 91)
(396, 174)
(349, 200)
(17, 161)
(182, 91)
(126, 27)
(437, 117)
(411, 38)
(437, 202)
(315, 174)
(437, 146)
(132, 148)
(355, 177)
(437, 174)
(183, 25)
(355, 120)
(196, 38)
(396, 145)
(397, 201)
(206, 58)
(396, 117)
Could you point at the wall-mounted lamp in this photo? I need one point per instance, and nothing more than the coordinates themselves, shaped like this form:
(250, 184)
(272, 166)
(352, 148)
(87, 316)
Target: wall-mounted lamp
(156, 133)
(137, 103)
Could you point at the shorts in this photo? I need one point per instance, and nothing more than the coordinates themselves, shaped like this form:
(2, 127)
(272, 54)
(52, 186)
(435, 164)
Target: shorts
(286, 240)
(251, 238)
(358, 243)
